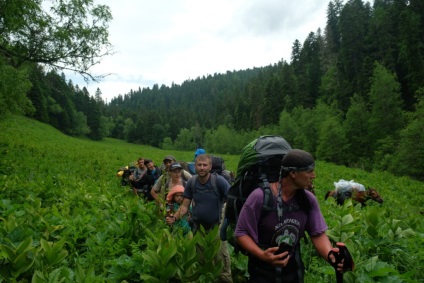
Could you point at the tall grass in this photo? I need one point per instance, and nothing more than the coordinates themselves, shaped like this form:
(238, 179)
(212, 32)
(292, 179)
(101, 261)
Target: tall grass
(64, 212)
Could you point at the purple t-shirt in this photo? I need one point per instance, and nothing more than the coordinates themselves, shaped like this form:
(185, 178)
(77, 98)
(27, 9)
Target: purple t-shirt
(267, 231)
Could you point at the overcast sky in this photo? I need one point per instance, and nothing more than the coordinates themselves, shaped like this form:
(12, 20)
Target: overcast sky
(166, 41)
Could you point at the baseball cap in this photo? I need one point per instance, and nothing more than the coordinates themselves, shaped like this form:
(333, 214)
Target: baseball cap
(169, 157)
(174, 166)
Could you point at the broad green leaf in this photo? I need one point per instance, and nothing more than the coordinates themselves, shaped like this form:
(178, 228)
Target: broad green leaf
(149, 278)
(152, 258)
(45, 245)
(21, 264)
(8, 251)
(372, 231)
(382, 269)
(59, 257)
(395, 224)
(38, 277)
(347, 219)
(166, 254)
(333, 235)
(24, 246)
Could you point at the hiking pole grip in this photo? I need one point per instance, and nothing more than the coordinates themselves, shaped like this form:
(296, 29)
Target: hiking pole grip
(338, 259)
(348, 264)
(341, 255)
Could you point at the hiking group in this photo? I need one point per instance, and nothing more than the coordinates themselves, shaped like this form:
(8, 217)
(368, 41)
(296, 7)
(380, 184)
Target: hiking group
(267, 207)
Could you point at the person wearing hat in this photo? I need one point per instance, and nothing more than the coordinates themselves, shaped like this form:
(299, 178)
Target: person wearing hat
(175, 171)
(167, 160)
(161, 188)
(173, 201)
(297, 210)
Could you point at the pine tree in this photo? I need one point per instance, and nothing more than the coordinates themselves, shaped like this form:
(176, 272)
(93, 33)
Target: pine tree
(410, 155)
(386, 114)
(357, 129)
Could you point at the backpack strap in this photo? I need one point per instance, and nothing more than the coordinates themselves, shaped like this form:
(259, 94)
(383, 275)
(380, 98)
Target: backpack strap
(214, 185)
(212, 177)
(191, 183)
(280, 207)
(268, 199)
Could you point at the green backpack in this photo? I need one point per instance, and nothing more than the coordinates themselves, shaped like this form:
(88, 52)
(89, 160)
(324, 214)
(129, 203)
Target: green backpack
(259, 165)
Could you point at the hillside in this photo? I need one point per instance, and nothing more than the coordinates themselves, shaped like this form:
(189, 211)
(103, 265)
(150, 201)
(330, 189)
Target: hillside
(65, 214)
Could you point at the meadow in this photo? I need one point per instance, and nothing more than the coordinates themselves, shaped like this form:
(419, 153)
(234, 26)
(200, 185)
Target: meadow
(65, 217)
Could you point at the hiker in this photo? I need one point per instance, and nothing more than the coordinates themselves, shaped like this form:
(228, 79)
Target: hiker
(207, 193)
(173, 201)
(297, 210)
(138, 182)
(161, 188)
(190, 165)
(175, 171)
(152, 175)
(153, 172)
(218, 166)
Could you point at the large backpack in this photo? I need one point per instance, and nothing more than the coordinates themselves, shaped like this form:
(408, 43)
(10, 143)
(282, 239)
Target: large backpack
(218, 164)
(259, 165)
(124, 173)
(218, 167)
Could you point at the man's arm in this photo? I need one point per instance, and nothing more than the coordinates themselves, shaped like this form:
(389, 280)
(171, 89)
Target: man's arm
(183, 209)
(322, 244)
(155, 189)
(154, 194)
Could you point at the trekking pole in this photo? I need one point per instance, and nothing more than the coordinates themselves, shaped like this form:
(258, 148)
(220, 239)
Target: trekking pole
(341, 254)
(169, 211)
(336, 253)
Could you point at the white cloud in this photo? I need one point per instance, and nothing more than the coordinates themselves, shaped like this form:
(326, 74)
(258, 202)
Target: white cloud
(160, 42)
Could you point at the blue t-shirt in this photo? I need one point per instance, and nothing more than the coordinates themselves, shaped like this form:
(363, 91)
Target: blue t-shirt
(207, 202)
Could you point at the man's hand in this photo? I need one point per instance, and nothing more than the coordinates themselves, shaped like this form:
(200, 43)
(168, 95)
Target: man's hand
(170, 220)
(340, 258)
(333, 262)
(270, 257)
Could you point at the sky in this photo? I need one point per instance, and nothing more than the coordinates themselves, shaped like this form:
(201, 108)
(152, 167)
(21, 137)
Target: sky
(171, 41)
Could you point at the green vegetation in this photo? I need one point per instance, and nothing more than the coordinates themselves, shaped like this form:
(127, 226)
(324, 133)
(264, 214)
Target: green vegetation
(351, 94)
(64, 217)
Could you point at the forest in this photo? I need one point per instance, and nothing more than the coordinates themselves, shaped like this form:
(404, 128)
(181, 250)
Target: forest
(352, 94)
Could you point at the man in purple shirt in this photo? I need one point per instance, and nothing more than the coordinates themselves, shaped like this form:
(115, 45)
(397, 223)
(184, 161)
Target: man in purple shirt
(261, 233)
